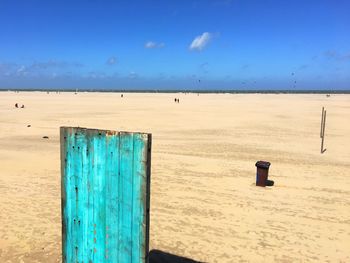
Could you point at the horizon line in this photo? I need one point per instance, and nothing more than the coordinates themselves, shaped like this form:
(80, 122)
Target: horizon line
(203, 91)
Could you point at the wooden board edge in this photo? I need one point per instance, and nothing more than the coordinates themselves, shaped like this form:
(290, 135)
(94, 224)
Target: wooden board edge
(148, 194)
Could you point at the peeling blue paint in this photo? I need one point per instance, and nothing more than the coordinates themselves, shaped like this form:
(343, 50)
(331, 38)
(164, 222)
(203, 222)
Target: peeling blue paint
(105, 195)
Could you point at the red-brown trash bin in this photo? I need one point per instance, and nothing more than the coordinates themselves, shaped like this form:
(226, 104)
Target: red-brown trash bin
(262, 172)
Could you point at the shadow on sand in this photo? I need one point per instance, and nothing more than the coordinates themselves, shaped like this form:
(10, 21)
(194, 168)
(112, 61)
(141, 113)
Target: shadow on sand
(157, 256)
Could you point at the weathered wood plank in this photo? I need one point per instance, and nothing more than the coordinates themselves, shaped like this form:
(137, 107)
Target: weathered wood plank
(126, 195)
(138, 232)
(89, 213)
(99, 217)
(112, 198)
(105, 195)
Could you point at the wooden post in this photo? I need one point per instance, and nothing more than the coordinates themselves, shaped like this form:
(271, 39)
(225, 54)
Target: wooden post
(323, 130)
(105, 187)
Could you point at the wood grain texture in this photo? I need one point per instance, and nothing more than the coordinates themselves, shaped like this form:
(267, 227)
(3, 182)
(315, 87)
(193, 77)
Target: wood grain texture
(105, 191)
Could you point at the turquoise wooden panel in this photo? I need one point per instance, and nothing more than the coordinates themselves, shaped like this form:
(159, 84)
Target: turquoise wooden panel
(105, 185)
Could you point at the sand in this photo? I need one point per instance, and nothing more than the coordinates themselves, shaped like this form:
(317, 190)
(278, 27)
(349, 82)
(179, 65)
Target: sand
(204, 204)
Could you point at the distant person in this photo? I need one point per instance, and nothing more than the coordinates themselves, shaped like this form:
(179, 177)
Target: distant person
(22, 107)
(122, 95)
(16, 105)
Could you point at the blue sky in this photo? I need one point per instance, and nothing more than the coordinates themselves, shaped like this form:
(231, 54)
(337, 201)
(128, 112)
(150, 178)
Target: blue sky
(182, 44)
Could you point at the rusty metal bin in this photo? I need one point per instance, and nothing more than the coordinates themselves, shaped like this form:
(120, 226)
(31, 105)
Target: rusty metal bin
(262, 173)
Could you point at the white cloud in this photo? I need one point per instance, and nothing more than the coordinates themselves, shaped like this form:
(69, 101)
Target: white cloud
(133, 75)
(200, 41)
(151, 44)
(21, 71)
(111, 61)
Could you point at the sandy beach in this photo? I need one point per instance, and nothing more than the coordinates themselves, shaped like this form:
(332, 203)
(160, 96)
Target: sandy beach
(204, 202)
